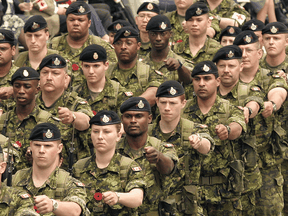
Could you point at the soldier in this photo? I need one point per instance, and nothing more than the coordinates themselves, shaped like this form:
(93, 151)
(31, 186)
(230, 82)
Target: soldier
(144, 13)
(228, 61)
(73, 111)
(13, 201)
(225, 123)
(185, 135)
(154, 157)
(53, 189)
(71, 44)
(269, 198)
(121, 187)
(228, 35)
(132, 74)
(36, 37)
(256, 26)
(114, 27)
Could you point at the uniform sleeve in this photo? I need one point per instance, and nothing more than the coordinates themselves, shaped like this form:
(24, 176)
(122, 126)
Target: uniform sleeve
(135, 178)
(204, 133)
(168, 150)
(84, 107)
(24, 204)
(50, 7)
(277, 81)
(155, 78)
(237, 115)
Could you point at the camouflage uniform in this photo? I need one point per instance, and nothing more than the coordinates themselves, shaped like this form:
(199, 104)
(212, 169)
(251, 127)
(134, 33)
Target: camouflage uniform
(61, 45)
(76, 104)
(240, 95)
(219, 191)
(151, 175)
(144, 50)
(112, 178)
(59, 186)
(15, 202)
(19, 132)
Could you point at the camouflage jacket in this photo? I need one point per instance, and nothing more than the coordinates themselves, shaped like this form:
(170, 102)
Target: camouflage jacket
(144, 50)
(117, 176)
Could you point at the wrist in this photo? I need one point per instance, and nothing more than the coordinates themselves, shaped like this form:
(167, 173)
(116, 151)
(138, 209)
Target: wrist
(118, 196)
(74, 117)
(274, 106)
(180, 65)
(228, 129)
(250, 111)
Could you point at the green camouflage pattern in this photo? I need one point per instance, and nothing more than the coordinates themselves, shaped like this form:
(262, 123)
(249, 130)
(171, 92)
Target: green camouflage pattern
(144, 50)
(108, 179)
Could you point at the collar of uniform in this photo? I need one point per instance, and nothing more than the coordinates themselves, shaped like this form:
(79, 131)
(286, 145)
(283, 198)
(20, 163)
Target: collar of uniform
(121, 78)
(233, 92)
(146, 46)
(53, 109)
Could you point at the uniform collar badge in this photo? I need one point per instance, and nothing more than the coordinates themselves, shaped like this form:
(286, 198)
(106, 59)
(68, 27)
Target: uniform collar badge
(248, 38)
(198, 11)
(127, 33)
(35, 25)
(163, 26)
(150, 6)
(274, 29)
(231, 30)
(230, 54)
(95, 56)
(48, 134)
(81, 9)
(105, 119)
(172, 91)
(253, 27)
(206, 68)
(118, 26)
(56, 62)
(25, 73)
(141, 104)
(2, 37)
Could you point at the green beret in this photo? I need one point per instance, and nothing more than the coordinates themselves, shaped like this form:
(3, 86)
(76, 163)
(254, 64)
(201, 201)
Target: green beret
(53, 61)
(159, 23)
(228, 53)
(230, 31)
(275, 28)
(149, 6)
(205, 67)
(117, 25)
(7, 36)
(253, 25)
(45, 132)
(170, 89)
(25, 73)
(126, 32)
(135, 104)
(245, 37)
(105, 117)
(196, 9)
(34, 24)
(78, 8)
(93, 53)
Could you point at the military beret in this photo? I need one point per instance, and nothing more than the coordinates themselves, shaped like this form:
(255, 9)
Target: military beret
(253, 25)
(93, 53)
(159, 23)
(230, 31)
(105, 117)
(126, 32)
(275, 28)
(196, 9)
(245, 37)
(149, 6)
(78, 8)
(170, 89)
(228, 53)
(7, 36)
(53, 61)
(117, 25)
(135, 104)
(45, 132)
(25, 73)
(34, 24)
(205, 67)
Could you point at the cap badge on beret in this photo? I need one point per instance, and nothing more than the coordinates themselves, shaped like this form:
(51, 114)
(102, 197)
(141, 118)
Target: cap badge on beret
(95, 56)
(56, 62)
(127, 33)
(150, 6)
(230, 54)
(274, 29)
(231, 30)
(2, 37)
(140, 104)
(35, 26)
(206, 68)
(49, 134)
(105, 119)
(248, 39)
(25, 73)
(163, 26)
(81, 9)
(118, 26)
(172, 91)
(253, 27)
(198, 11)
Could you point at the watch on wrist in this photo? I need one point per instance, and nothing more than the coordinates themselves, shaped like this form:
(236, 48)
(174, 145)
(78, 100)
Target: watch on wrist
(118, 195)
(228, 129)
(181, 64)
(55, 205)
(250, 111)
(74, 117)
(274, 106)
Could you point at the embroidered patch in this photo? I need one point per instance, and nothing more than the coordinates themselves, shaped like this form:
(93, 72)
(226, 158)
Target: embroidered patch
(136, 169)
(159, 72)
(80, 184)
(255, 88)
(169, 145)
(128, 94)
(25, 196)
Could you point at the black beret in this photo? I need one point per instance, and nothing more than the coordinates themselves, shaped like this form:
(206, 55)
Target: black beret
(196, 9)
(275, 28)
(126, 32)
(159, 23)
(117, 25)
(34, 24)
(149, 6)
(25, 73)
(228, 53)
(170, 89)
(78, 8)
(135, 104)
(53, 61)
(245, 37)
(7, 36)
(93, 53)
(230, 31)
(253, 25)
(45, 132)
(105, 117)
(205, 67)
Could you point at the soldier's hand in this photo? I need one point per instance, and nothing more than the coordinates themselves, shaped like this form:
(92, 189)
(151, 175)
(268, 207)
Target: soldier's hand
(246, 114)
(28, 155)
(195, 141)
(268, 109)
(152, 155)
(43, 203)
(6, 92)
(110, 198)
(221, 132)
(172, 64)
(65, 115)
(184, 26)
(282, 74)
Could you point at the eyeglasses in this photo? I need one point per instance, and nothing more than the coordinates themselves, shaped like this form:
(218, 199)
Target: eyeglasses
(142, 16)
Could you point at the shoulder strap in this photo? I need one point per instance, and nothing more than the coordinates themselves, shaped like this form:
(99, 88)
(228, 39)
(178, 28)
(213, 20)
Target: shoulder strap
(61, 183)
(111, 68)
(124, 169)
(4, 122)
(116, 90)
(143, 73)
(43, 116)
(79, 166)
